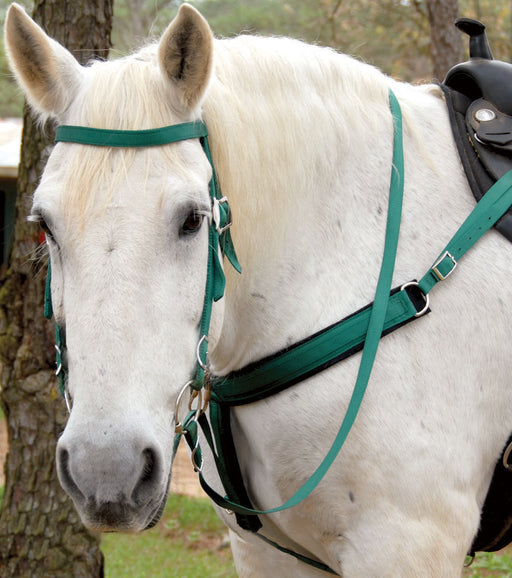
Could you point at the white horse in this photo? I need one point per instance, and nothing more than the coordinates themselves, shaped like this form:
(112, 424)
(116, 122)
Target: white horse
(302, 143)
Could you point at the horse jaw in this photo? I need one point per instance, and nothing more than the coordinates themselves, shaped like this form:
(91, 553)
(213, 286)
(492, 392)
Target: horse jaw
(48, 74)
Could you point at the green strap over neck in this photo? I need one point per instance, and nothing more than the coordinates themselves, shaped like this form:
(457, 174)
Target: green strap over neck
(375, 326)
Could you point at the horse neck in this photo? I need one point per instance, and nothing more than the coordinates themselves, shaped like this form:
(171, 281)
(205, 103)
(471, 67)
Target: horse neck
(290, 126)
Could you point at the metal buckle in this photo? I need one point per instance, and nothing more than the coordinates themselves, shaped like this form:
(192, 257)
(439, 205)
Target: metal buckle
(216, 216)
(197, 412)
(202, 365)
(438, 273)
(506, 456)
(425, 297)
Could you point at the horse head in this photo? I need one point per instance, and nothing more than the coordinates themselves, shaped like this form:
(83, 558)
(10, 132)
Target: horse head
(128, 239)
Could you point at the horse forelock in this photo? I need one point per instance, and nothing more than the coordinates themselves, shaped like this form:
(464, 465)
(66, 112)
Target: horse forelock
(125, 94)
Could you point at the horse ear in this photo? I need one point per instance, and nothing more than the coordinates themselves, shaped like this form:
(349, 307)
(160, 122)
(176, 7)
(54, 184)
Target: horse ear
(46, 71)
(185, 55)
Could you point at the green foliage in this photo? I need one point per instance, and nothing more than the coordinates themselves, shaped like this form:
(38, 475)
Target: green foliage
(497, 564)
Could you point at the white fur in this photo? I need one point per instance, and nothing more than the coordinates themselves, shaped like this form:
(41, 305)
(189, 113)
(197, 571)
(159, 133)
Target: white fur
(302, 142)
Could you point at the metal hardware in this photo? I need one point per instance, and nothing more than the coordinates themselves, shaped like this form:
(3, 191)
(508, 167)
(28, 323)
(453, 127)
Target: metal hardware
(178, 427)
(435, 266)
(216, 217)
(197, 468)
(67, 399)
(199, 394)
(485, 115)
(59, 367)
(198, 353)
(426, 297)
(198, 411)
(506, 455)
(475, 136)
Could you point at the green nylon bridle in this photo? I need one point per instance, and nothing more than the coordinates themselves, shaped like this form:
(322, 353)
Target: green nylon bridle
(361, 330)
(218, 236)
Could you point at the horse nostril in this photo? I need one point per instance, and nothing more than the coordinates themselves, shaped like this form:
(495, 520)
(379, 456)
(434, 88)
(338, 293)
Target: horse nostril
(65, 477)
(149, 464)
(149, 476)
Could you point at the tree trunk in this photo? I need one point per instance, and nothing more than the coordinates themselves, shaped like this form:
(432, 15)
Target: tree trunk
(40, 533)
(446, 47)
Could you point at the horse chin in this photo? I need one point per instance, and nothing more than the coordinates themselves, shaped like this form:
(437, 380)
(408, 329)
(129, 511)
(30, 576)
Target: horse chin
(109, 517)
(155, 517)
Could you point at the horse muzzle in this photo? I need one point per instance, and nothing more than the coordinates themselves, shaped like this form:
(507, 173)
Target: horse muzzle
(117, 482)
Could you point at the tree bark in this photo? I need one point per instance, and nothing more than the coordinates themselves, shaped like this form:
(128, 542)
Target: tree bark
(446, 47)
(40, 533)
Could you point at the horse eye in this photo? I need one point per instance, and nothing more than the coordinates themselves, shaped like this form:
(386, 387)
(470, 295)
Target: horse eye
(192, 223)
(47, 231)
(39, 219)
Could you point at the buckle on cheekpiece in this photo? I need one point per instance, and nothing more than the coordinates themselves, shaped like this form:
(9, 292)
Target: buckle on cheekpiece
(221, 215)
(444, 266)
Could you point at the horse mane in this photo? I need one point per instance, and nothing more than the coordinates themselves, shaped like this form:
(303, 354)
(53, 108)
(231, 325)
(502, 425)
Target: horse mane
(280, 114)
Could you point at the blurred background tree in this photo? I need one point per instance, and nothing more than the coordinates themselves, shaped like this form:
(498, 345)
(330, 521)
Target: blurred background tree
(394, 35)
(40, 532)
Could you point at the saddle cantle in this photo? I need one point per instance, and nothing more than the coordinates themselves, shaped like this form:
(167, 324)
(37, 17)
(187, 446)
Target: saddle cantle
(479, 99)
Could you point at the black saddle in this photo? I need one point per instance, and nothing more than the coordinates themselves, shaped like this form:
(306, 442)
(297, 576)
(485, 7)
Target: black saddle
(479, 98)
